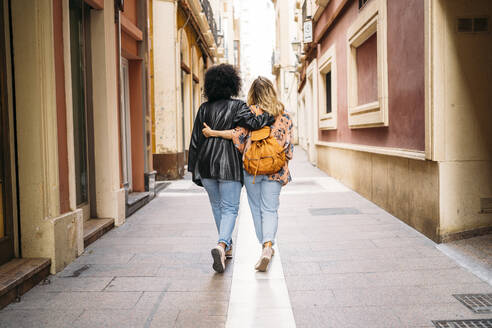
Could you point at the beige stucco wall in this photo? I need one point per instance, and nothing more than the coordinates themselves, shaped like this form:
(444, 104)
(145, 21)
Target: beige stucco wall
(406, 188)
(464, 137)
(44, 233)
(167, 129)
(110, 197)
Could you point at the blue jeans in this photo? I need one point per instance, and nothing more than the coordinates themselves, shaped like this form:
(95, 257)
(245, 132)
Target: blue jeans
(263, 199)
(224, 198)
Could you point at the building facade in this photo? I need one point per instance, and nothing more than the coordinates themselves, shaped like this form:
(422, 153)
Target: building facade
(188, 36)
(75, 127)
(392, 101)
(285, 61)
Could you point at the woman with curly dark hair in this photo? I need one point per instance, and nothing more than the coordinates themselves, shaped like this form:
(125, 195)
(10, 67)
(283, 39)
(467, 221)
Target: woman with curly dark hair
(215, 163)
(263, 190)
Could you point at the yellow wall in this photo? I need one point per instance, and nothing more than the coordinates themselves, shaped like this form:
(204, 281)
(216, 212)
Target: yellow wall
(191, 37)
(465, 163)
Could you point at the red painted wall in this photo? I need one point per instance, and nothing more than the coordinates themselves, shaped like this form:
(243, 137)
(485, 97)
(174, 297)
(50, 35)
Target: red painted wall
(130, 10)
(406, 128)
(367, 71)
(128, 43)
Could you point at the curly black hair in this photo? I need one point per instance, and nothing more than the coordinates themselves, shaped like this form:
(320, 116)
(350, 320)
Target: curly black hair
(222, 82)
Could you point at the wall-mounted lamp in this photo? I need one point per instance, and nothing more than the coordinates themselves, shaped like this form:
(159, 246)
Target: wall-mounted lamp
(296, 45)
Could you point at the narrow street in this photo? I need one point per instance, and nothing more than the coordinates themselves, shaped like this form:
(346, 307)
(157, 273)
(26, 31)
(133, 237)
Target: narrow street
(344, 262)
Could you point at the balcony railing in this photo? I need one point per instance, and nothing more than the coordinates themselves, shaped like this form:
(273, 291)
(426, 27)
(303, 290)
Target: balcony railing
(207, 9)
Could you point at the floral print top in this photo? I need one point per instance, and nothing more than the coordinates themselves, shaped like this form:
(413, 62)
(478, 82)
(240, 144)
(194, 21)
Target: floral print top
(281, 129)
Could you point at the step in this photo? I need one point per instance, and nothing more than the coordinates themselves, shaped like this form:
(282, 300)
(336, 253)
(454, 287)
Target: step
(20, 275)
(136, 200)
(95, 228)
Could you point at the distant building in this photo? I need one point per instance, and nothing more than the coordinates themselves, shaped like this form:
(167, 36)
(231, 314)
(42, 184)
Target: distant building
(188, 36)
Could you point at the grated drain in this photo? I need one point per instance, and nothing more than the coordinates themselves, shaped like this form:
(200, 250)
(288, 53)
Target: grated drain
(478, 303)
(480, 323)
(333, 211)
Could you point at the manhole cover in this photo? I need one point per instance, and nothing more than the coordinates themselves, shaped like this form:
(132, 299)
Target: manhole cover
(333, 211)
(480, 323)
(478, 303)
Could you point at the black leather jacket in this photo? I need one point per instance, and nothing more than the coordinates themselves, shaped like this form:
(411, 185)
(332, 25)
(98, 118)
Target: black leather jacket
(217, 158)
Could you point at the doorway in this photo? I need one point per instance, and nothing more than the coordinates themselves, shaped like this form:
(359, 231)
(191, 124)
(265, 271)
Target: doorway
(126, 151)
(6, 203)
(83, 125)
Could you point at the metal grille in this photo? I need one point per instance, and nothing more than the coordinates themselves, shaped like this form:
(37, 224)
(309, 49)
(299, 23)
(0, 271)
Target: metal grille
(480, 323)
(478, 303)
(207, 9)
(333, 211)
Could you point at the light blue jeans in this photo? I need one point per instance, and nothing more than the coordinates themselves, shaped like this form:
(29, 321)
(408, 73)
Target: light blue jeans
(224, 198)
(263, 199)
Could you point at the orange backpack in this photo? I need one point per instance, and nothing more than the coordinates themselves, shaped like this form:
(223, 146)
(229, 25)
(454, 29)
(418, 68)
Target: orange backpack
(265, 156)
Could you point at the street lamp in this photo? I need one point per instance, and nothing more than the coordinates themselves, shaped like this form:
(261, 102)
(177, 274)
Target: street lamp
(296, 45)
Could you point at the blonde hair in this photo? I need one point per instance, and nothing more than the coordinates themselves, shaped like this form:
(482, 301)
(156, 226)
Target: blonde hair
(263, 94)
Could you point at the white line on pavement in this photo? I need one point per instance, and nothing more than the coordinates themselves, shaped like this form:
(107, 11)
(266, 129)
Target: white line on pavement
(258, 299)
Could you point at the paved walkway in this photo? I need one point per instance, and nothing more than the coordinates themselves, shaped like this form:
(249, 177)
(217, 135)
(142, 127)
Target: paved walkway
(341, 262)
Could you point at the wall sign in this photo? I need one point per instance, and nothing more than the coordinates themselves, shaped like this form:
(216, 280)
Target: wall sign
(308, 31)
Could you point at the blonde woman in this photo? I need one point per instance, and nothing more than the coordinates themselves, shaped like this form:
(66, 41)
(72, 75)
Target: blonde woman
(264, 192)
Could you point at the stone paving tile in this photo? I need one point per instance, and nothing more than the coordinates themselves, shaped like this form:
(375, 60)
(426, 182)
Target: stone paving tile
(192, 318)
(342, 244)
(75, 284)
(306, 298)
(38, 318)
(295, 255)
(379, 279)
(111, 270)
(385, 265)
(335, 317)
(77, 300)
(105, 258)
(192, 271)
(185, 300)
(403, 295)
(111, 318)
(155, 284)
(171, 258)
(403, 242)
(304, 268)
(423, 314)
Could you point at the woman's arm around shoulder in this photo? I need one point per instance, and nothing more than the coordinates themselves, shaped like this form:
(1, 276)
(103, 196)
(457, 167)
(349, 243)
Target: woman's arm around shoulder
(247, 119)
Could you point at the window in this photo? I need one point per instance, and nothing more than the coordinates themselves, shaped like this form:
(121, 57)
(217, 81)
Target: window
(362, 3)
(328, 92)
(327, 77)
(367, 67)
(304, 11)
(472, 25)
